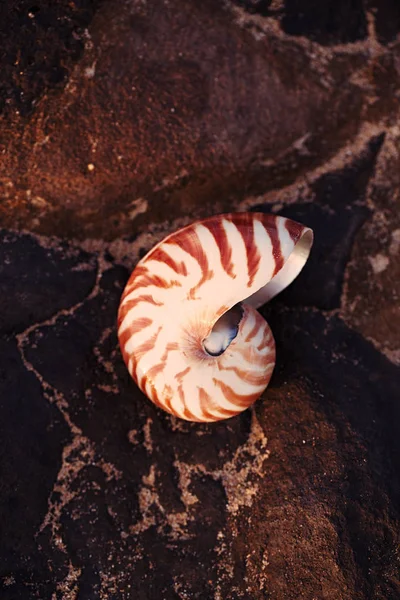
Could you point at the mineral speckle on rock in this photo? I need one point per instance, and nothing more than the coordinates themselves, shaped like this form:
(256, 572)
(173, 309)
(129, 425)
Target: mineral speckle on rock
(120, 122)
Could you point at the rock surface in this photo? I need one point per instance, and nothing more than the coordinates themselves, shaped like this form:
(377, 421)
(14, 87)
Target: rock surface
(282, 107)
(118, 114)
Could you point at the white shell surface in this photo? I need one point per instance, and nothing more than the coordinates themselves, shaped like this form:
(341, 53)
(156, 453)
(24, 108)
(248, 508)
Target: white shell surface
(179, 290)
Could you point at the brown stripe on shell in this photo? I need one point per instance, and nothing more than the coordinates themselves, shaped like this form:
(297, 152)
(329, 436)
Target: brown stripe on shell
(124, 337)
(266, 342)
(154, 396)
(191, 417)
(163, 403)
(168, 399)
(295, 230)
(169, 348)
(135, 327)
(238, 399)
(125, 355)
(190, 243)
(141, 350)
(186, 412)
(179, 376)
(181, 394)
(221, 311)
(217, 230)
(276, 249)
(206, 402)
(156, 280)
(207, 275)
(160, 255)
(151, 374)
(253, 331)
(156, 369)
(139, 271)
(254, 358)
(245, 375)
(121, 316)
(252, 253)
(133, 303)
(144, 298)
(143, 277)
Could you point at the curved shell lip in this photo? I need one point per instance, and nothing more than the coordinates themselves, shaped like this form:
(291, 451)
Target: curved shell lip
(286, 274)
(289, 271)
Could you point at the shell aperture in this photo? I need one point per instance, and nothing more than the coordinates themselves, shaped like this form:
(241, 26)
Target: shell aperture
(224, 331)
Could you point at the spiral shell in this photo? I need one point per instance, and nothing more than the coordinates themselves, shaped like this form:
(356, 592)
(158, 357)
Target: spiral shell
(188, 327)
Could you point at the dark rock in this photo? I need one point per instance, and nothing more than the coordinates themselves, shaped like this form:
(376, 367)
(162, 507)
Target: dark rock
(375, 310)
(331, 22)
(260, 7)
(338, 210)
(30, 272)
(52, 36)
(336, 411)
(33, 435)
(143, 506)
(185, 109)
(387, 19)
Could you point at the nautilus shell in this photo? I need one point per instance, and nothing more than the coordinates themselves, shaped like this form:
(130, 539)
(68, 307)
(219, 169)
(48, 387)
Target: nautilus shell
(188, 327)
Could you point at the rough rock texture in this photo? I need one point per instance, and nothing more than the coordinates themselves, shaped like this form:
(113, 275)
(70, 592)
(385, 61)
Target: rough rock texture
(121, 113)
(286, 107)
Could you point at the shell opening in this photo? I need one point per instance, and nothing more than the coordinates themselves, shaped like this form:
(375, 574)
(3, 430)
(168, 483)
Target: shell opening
(224, 331)
(286, 274)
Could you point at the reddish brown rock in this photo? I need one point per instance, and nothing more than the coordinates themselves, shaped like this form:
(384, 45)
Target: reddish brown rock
(102, 495)
(170, 108)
